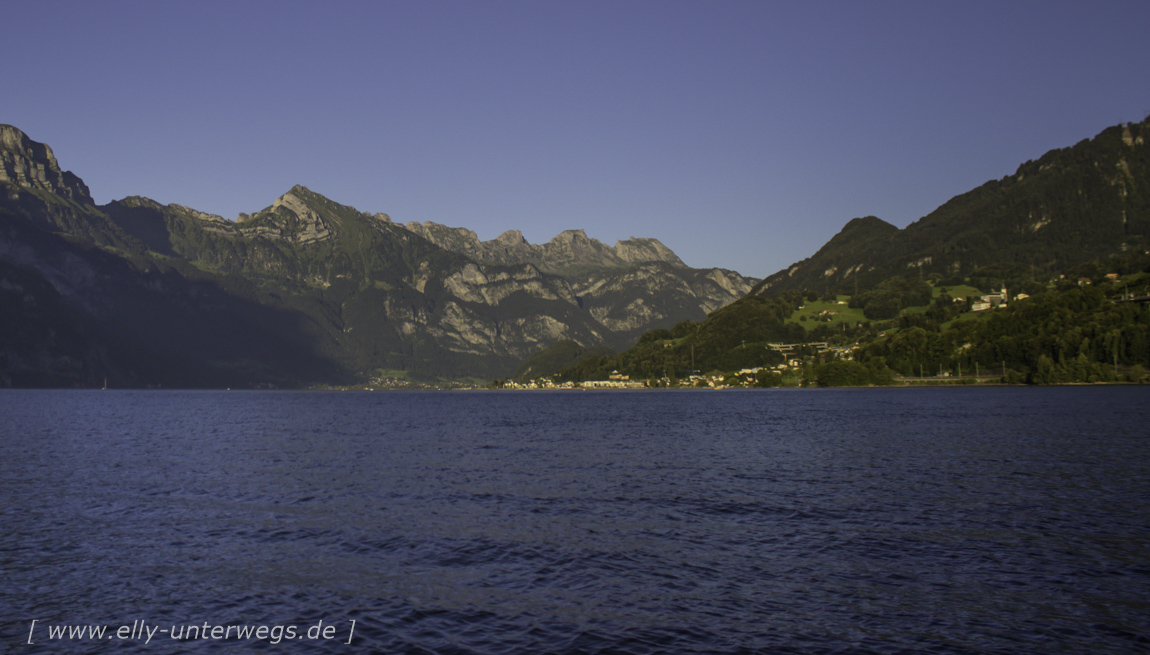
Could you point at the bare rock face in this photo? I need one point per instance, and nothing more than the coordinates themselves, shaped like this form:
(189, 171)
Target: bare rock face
(312, 226)
(455, 239)
(290, 218)
(31, 164)
(605, 294)
(635, 251)
(630, 301)
(511, 239)
(571, 249)
(492, 285)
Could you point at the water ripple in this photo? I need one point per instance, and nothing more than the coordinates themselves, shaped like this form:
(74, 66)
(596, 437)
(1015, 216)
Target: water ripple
(817, 521)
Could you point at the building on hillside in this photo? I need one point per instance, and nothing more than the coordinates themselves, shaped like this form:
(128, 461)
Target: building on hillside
(990, 300)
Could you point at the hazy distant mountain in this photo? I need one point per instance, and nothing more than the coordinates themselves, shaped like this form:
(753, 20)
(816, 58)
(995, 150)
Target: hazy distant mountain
(1072, 205)
(303, 291)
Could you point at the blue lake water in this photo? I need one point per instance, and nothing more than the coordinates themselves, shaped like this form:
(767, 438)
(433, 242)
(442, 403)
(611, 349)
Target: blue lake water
(990, 520)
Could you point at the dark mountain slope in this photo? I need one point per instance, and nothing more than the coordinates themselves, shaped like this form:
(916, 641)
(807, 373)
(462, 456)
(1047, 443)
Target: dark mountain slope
(75, 314)
(1072, 205)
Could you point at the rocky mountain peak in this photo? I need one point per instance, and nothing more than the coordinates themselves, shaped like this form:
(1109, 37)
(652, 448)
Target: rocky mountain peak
(292, 217)
(511, 238)
(31, 164)
(569, 236)
(293, 201)
(455, 239)
(645, 250)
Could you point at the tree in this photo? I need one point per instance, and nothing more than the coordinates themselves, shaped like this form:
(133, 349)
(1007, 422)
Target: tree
(1045, 373)
(765, 378)
(842, 373)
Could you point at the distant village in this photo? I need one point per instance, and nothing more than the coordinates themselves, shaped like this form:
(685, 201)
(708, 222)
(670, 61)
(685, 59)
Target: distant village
(715, 380)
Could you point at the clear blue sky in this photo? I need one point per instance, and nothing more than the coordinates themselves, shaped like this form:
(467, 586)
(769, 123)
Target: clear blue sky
(740, 134)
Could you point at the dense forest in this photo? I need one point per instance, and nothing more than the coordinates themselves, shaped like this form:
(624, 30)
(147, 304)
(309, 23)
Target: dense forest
(1069, 334)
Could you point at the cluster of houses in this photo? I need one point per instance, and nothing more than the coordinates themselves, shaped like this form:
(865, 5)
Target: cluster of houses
(989, 301)
(746, 377)
(542, 383)
(992, 300)
(999, 299)
(616, 381)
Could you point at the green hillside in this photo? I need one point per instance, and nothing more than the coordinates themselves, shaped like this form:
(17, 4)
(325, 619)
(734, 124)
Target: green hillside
(1092, 324)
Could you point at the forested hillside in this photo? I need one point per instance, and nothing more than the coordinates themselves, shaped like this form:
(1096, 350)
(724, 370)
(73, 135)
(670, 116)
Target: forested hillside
(1072, 205)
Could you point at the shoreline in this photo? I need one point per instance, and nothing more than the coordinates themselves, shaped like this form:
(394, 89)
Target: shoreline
(904, 385)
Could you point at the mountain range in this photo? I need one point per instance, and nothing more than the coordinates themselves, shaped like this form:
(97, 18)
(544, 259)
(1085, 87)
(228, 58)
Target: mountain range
(308, 291)
(304, 291)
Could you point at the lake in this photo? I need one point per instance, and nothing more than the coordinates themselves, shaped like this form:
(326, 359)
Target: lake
(964, 520)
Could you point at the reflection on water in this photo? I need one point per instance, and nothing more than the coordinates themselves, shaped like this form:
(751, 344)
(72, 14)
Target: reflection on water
(960, 520)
